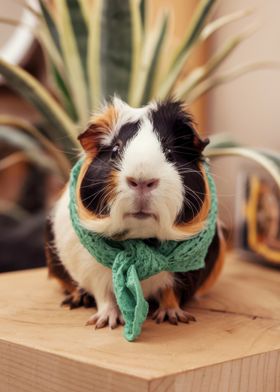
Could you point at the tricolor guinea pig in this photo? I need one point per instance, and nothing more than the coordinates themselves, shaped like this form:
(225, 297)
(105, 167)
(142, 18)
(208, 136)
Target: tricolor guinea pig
(142, 178)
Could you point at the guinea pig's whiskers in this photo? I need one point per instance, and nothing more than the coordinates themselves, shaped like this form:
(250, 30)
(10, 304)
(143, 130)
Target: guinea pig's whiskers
(93, 183)
(190, 205)
(195, 197)
(195, 193)
(195, 209)
(95, 194)
(187, 171)
(103, 204)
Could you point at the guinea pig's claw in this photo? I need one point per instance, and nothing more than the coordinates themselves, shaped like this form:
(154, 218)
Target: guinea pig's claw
(173, 315)
(109, 316)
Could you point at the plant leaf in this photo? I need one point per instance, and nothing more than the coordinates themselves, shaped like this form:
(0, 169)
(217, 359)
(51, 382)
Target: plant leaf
(148, 80)
(26, 4)
(53, 151)
(41, 34)
(64, 93)
(72, 60)
(50, 25)
(33, 156)
(80, 30)
(86, 8)
(34, 92)
(273, 155)
(183, 51)
(15, 22)
(137, 37)
(221, 140)
(194, 30)
(228, 76)
(30, 151)
(212, 27)
(94, 63)
(263, 159)
(116, 48)
(201, 73)
(13, 210)
(143, 13)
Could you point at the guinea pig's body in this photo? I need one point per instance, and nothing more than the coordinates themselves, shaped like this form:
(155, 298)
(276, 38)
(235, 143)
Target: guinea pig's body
(142, 177)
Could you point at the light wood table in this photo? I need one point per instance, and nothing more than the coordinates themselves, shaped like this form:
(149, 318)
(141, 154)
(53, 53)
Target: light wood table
(234, 346)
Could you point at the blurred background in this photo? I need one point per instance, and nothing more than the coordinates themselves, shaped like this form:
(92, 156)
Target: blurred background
(246, 109)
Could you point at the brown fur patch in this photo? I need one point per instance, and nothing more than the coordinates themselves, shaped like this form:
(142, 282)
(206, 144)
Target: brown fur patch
(213, 276)
(99, 126)
(55, 267)
(168, 299)
(198, 222)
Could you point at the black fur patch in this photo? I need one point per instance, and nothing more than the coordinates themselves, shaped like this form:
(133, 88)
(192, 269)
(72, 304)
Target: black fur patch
(93, 190)
(187, 283)
(177, 134)
(55, 266)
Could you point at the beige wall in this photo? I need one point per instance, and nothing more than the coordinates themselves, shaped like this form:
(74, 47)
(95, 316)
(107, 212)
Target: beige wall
(249, 107)
(9, 9)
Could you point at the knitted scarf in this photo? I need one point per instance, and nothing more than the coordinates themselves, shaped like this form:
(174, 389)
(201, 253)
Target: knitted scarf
(133, 260)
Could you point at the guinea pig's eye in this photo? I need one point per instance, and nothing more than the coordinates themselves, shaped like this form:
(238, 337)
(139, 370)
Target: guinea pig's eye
(168, 153)
(115, 151)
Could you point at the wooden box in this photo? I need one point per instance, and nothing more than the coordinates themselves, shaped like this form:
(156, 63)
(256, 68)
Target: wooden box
(233, 347)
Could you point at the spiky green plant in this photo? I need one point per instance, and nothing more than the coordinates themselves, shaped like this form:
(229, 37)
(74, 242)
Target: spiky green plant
(95, 49)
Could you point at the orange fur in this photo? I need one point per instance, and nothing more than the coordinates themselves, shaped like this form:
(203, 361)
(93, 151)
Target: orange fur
(217, 267)
(57, 271)
(198, 222)
(99, 126)
(168, 299)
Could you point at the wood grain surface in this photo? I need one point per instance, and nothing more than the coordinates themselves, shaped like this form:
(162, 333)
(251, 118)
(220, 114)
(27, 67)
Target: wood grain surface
(233, 347)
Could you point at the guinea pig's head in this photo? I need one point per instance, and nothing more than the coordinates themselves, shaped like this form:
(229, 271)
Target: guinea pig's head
(143, 175)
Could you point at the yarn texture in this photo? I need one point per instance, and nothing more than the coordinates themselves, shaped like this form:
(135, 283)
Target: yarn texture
(133, 260)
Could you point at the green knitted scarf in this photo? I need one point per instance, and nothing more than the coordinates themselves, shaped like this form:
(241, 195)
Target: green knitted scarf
(133, 260)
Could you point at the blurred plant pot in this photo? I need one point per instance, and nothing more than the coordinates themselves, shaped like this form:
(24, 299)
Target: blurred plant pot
(258, 218)
(17, 42)
(26, 194)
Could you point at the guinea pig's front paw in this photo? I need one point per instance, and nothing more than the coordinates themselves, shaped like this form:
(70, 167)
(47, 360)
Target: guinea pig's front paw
(173, 315)
(79, 297)
(110, 315)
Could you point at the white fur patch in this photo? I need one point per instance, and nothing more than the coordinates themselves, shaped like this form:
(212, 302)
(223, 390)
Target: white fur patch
(144, 159)
(125, 114)
(84, 269)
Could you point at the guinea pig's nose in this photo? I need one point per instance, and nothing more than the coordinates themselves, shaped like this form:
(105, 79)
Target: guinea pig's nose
(142, 185)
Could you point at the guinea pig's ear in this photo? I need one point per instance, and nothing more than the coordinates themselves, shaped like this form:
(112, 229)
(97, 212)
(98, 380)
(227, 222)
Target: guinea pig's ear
(99, 127)
(90, 138)
(199, 143)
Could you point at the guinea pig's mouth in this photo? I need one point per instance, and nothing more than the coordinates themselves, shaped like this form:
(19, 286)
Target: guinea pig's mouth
(141, 215)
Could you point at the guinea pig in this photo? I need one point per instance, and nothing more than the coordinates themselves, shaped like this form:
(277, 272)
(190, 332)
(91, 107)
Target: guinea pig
(142, 177)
